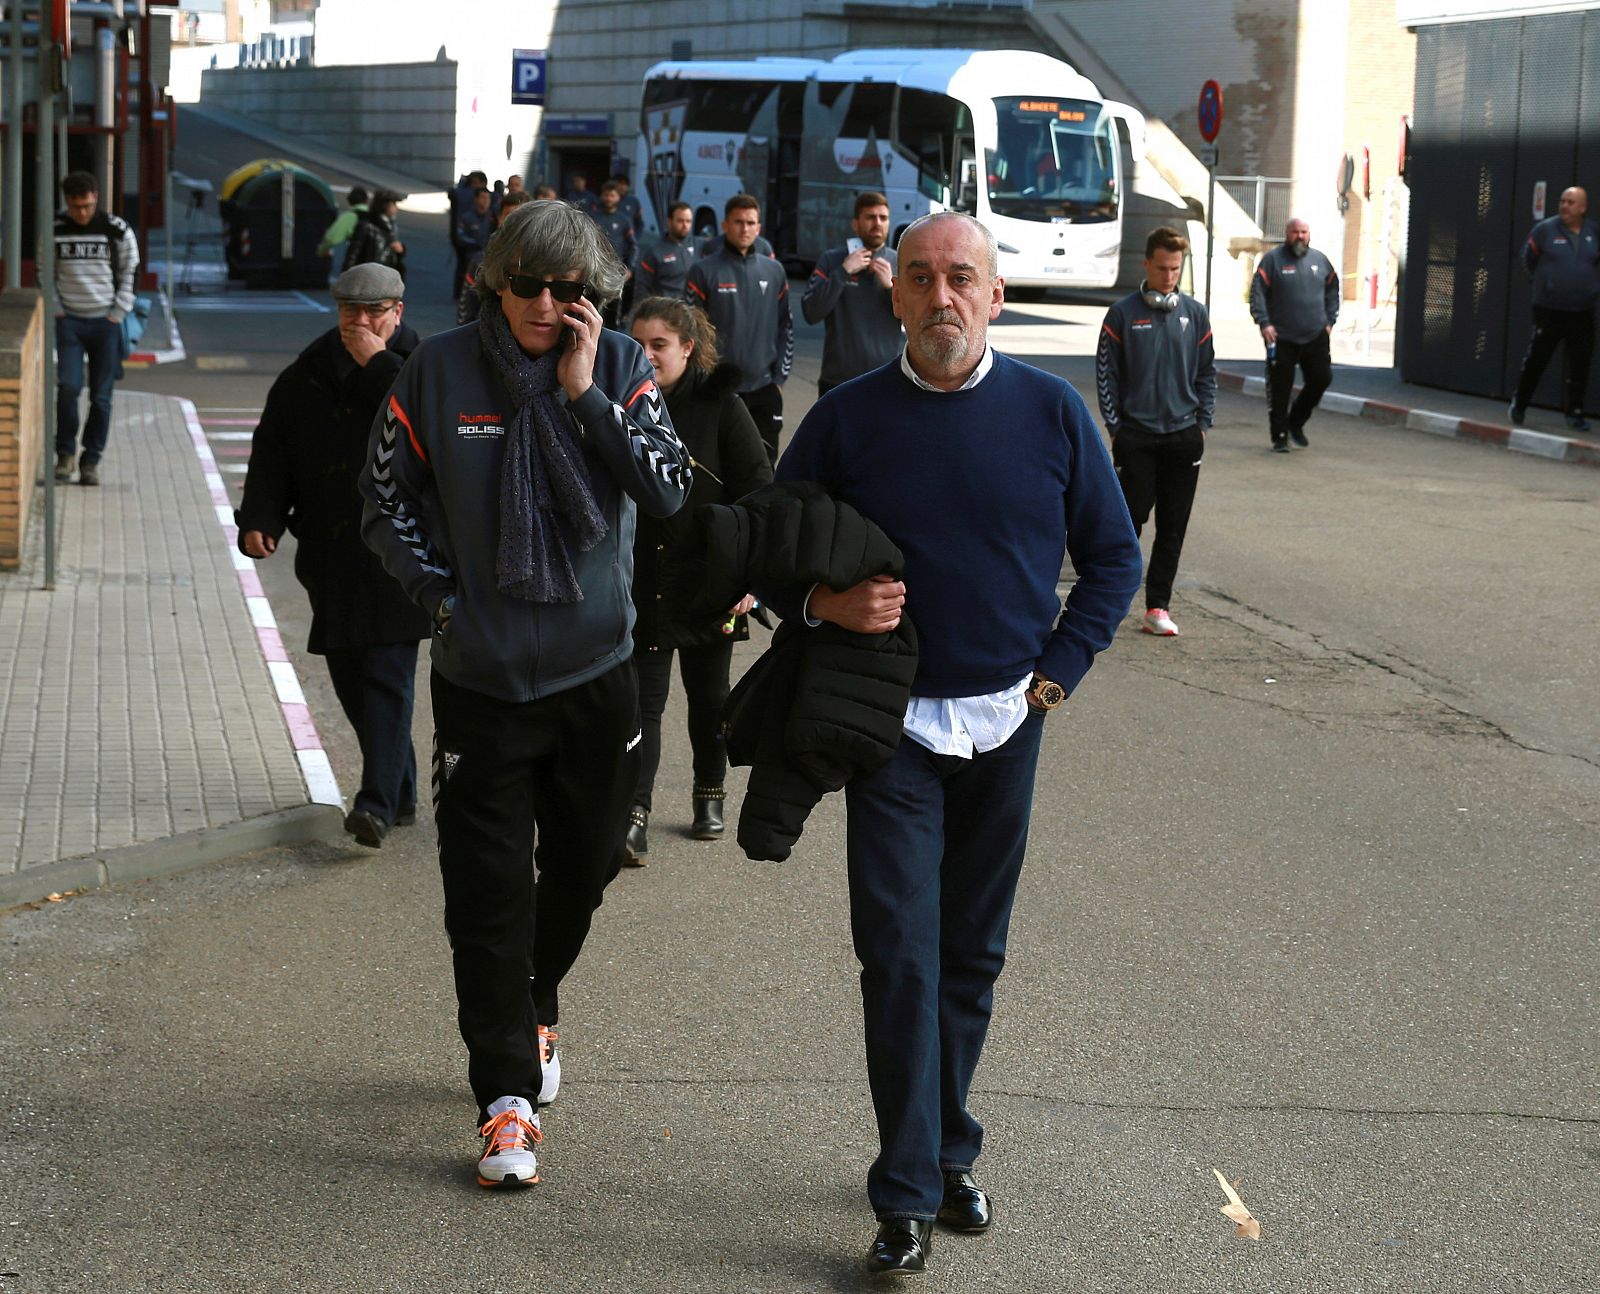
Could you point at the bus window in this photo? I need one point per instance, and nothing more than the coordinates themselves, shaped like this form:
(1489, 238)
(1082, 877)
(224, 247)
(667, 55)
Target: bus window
(868, 114)
(1055, 161)
(724, 107)
(937, 132)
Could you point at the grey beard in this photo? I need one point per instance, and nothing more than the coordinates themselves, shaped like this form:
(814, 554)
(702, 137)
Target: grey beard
(940, 352)
(1299, 249)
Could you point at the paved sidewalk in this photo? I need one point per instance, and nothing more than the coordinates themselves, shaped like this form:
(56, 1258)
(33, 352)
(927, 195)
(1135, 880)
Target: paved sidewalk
(142, 728)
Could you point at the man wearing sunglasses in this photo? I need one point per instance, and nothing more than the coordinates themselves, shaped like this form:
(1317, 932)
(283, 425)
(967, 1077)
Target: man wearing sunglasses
(505, 469)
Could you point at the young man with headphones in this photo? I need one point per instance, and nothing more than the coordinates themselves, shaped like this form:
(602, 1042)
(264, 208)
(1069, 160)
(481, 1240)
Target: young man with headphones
(1156, 373)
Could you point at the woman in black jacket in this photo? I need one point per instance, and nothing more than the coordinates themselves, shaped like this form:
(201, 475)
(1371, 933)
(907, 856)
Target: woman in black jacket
(729, 461)
(375, 238)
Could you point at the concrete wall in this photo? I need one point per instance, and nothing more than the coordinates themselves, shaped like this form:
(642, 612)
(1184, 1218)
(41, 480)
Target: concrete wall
(400, 116)
(21, 415)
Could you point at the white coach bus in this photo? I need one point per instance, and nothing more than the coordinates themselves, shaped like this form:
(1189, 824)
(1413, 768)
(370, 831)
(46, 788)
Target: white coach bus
(1019, 140)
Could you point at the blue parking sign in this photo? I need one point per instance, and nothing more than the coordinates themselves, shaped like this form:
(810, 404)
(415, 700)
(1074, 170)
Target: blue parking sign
(527, 76)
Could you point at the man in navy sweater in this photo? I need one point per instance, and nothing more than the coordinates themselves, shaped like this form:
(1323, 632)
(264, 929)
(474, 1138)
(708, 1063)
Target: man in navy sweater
(986, 473)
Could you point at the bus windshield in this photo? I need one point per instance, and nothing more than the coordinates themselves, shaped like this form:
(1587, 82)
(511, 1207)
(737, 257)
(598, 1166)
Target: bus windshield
(1055, 161)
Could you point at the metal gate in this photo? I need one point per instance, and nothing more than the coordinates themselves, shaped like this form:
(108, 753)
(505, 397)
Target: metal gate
(1500, 106)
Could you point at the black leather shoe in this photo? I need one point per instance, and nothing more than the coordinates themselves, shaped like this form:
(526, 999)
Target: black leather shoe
(367, 828)
(966, 1205)
(707, 824)
(1298, 435)
(636, 844)
(901, 1247)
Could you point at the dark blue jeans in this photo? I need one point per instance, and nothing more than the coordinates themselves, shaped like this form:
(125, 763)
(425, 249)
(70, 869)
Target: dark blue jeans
(935, 849)
(100, 342)
(375, 686)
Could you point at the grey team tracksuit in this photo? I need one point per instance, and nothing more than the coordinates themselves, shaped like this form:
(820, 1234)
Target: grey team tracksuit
(1299, 296)
(860, 330)
(1156, 375)
(746, 297)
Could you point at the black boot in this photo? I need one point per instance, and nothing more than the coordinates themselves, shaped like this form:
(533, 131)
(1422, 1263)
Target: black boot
(707, 824)
(635, 845)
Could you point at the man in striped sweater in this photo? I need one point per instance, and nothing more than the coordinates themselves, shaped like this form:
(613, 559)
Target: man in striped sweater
(96, 260)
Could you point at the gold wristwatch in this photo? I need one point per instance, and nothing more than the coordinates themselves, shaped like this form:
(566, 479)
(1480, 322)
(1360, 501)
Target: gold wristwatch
(1047, 695)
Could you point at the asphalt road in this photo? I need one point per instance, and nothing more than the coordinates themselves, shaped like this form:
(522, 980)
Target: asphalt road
(1310, 901)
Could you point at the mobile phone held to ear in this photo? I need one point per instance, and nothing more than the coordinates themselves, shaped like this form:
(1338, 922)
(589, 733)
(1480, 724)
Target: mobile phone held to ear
(569, 334)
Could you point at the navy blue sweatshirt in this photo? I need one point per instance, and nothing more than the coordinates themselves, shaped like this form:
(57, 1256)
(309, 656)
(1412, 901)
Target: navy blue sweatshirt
(985, 491)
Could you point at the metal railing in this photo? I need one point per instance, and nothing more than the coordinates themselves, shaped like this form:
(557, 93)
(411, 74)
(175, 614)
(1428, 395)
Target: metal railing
(1266, 197)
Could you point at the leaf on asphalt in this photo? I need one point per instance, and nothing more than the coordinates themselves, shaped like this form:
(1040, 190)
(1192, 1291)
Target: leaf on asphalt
(53, 898)
(666, 1132)
(1246, 1227)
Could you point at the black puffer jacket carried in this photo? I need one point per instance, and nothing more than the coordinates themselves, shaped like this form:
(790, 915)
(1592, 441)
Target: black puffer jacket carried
(729, 461)
(822, 704)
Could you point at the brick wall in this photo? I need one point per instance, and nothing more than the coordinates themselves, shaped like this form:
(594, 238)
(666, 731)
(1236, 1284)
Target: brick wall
(21, 415)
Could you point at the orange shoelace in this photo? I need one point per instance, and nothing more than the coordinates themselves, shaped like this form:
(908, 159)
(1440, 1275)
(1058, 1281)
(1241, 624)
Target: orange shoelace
(547, 1043)
(508, 1130)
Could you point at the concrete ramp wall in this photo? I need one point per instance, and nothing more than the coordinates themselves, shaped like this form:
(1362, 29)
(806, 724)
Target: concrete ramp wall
(398, 116)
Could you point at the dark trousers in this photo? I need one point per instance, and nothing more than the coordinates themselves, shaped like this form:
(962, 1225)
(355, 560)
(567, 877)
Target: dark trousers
(935, 846)
(1314, 358)
(1550, 329)
(561, 769)
(766, 411)
(1160, 472)
(375, 686)
(704, 671)
(99, 342)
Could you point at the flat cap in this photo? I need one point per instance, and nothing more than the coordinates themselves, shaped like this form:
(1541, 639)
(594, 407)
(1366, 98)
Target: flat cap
(368, 284)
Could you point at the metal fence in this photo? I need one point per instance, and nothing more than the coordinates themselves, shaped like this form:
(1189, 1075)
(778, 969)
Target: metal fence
(1265, 197)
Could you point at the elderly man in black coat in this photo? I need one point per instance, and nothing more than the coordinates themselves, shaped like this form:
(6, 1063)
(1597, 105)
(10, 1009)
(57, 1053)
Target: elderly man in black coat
(304, 458)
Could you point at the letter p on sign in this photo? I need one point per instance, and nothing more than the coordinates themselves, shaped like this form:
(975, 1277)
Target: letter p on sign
(527, 76)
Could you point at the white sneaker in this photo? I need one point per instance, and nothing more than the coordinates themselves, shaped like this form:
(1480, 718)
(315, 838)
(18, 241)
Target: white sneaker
(1156, 621)
(549, 1066)
(508, 1141)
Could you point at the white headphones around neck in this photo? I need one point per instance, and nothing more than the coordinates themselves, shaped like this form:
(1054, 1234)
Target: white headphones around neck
(1158, 300)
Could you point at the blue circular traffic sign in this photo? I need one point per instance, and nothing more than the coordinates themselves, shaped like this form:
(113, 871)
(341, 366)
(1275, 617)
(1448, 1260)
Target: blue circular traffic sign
(1210, 111)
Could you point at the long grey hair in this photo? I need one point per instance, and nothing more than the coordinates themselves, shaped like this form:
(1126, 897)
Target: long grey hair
(549, 239)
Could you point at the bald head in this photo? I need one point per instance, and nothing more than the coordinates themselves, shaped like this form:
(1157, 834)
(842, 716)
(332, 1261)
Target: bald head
(1297, 236)
(1574, 206)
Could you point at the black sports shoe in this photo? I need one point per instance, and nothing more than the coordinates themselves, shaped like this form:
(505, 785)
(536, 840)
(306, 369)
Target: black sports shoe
(1280, 446)
(1298, 435)
(1577, 422)
(1517, 413)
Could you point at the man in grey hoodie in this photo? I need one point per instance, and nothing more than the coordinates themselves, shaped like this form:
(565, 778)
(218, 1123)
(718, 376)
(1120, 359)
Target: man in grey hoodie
(1294, 299)
(505, 468)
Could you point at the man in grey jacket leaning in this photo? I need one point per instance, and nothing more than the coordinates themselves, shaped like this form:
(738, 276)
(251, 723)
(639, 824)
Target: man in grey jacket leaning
(1156, 374)
(1294, 299)
(505, 469)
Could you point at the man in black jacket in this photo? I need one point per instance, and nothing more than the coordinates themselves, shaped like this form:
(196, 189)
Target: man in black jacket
(1294, 299)
(307, 451)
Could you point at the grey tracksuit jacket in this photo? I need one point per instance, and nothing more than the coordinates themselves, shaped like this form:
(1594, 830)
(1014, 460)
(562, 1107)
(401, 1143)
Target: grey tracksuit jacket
(433, 512)
(664, 269)
(1297, 295)
(1563, 265)
(860, 330)
(746, 298)
(1156, 370)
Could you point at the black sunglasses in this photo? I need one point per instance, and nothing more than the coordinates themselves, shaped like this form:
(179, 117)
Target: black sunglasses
(529, 286)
